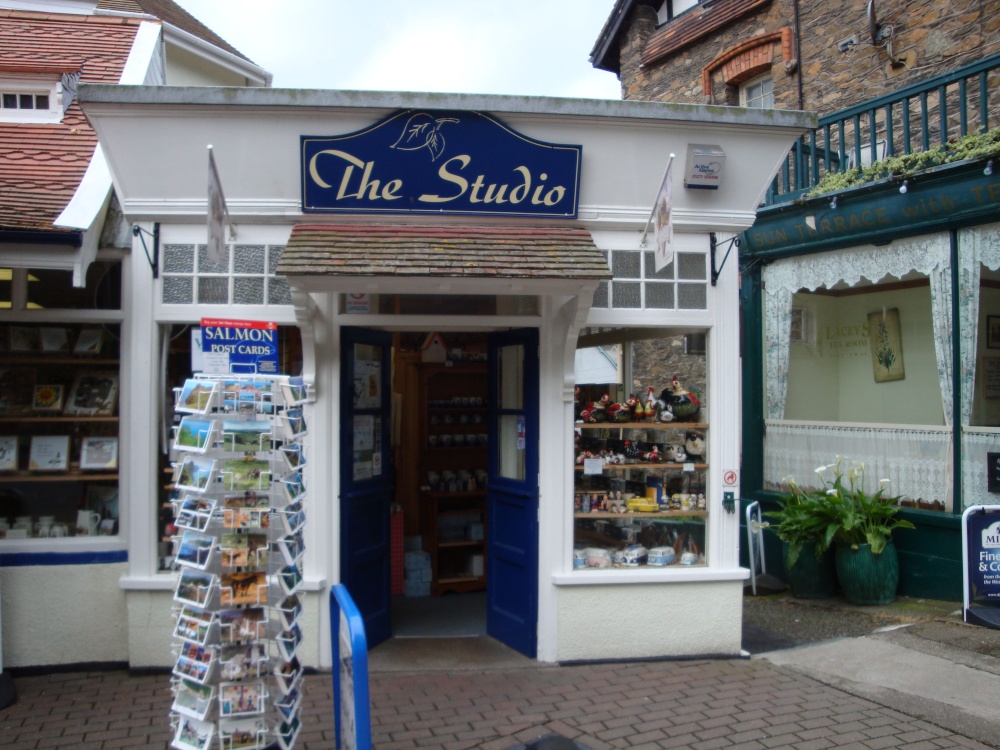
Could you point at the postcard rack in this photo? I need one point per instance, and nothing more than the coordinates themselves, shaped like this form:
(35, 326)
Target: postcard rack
(239, 511)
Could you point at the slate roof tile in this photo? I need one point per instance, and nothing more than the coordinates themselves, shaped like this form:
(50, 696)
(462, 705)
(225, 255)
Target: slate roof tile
(41, 164)
(467, 252)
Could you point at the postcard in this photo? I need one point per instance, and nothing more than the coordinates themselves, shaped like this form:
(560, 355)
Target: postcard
(290, 610)
(246, 733)
(47, 398)
(194, 625)
(23, 339)
(241, 474)
(289, 704)
(292, 547)
(54, 339)
(49, 453)
(241, 662)
(196, 396)
(288, 732)
(249, 395)
(8, 453)
(288, 642)
(194, 587)
(294, 422)
(295, 391)
(246, 436)
(193, 734)
(195, 473)
(194, 434)
(192, 699)
(93, 394)
(244, 550)
(293, 487)
(246, 518)
(193, 669)
(241, 699)
(237, 625)
(294, 458)
(291, 578)
(247, 499)
(293, 517)
(243, 589)
(288, 675)
(195, 512)
(195, 549)
(99, 452)
(89, 341)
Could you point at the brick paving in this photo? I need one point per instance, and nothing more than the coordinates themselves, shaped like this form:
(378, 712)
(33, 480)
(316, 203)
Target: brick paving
(706, 704)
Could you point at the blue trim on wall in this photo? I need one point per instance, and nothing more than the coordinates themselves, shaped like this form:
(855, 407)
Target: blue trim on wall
(31, 559)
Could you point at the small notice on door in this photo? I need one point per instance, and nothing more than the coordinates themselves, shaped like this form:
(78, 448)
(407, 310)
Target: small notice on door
(521, 431)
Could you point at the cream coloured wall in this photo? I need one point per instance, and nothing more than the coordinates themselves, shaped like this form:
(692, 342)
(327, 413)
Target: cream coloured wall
(832, 379)
(649, 620)
(63, 614)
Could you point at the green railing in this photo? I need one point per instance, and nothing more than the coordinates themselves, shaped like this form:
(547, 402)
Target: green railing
(916, 118)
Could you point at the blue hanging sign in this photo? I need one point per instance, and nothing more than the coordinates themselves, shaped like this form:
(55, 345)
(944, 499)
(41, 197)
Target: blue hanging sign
(239, 346)
(440, 162)
(981, 543)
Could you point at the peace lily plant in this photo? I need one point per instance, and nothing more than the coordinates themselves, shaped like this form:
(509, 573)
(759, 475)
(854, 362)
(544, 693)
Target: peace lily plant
(839, 512)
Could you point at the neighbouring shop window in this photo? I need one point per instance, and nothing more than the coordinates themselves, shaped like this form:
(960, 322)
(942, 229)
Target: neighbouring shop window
(680, 285)
(244, 277)
(178, 369)
(860, 368)
(59, 405)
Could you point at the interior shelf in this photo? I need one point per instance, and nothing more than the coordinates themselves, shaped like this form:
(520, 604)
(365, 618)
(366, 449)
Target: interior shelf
(641, 425)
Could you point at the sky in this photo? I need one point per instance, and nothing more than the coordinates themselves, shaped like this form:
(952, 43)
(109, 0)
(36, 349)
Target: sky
(515, 47)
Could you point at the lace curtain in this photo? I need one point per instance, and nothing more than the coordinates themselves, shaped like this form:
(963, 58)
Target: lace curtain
(929, 255)
(979, 245)
(916, 460)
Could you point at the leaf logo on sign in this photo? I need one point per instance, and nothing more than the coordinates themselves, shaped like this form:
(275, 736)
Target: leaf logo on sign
(423, 131)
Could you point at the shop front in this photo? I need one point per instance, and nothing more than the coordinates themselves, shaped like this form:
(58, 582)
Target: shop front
(469, 286)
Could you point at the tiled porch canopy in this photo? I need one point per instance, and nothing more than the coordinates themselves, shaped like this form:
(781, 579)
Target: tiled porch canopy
(384, 250)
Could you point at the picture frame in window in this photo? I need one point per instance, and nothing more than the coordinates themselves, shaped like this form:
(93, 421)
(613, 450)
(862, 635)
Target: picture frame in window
(993, 331)
(24, 339)
(8, 453)
(89, 342)
(99, 452)
(93, 394)
(48, 398)
(49, 453)
(54, 340)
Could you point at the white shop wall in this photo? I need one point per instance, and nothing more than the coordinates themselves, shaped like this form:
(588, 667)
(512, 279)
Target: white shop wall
(831, 379)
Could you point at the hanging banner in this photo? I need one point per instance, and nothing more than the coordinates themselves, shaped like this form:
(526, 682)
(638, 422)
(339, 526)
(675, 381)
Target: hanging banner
(239, 346)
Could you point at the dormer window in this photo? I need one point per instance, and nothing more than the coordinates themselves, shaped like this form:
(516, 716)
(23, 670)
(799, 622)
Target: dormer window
(27, 100)
(670, 9)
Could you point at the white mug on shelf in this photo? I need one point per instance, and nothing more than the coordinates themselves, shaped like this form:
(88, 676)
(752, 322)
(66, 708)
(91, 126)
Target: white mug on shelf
(87, 522)
(58, 530)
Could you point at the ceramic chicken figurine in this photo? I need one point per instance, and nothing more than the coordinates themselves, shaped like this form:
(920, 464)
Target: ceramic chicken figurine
(694, 444)
(684, 404)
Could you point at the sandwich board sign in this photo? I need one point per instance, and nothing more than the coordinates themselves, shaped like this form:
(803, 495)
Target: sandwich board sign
(351, 711)
(981, 556)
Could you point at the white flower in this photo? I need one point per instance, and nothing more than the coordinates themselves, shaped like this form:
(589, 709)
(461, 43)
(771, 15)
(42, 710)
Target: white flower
(789, 480)
(831, 492)
(884, 482)
(821, 470)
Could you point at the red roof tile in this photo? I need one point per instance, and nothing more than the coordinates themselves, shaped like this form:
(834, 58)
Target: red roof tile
(41, 165)
(468, 252)
(694, 24)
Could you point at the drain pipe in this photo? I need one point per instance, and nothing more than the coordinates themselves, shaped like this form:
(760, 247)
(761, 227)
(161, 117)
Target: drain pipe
(798, 50)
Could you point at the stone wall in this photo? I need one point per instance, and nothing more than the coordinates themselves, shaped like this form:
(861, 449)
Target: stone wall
(928, 37)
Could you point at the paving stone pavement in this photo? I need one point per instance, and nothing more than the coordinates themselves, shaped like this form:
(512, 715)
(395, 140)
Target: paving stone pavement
(701, 704)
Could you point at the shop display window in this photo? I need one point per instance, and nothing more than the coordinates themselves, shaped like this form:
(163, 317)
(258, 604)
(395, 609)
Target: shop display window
(639, 498)
(59, 404)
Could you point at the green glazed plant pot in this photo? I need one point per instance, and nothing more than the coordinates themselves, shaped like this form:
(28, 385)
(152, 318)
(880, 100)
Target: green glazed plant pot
(866, 578)
(810, 578)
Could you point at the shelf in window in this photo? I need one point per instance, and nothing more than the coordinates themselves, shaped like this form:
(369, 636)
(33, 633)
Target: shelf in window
(456, 495)
(77, 476)
(40, 420)
(642, 425)
(462, 543)
(90, 362)
(647, 467)
(644, 515)
(459, 579)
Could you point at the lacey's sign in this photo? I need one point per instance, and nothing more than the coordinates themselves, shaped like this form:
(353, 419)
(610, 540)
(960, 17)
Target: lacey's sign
(440, 162)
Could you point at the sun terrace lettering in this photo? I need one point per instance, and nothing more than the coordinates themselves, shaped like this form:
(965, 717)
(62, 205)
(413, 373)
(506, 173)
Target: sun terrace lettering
(358, 180)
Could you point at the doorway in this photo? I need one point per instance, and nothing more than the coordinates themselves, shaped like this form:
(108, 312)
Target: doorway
(461, 464)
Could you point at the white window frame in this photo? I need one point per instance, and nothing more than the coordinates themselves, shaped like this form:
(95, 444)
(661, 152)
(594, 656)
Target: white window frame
(671, 9)
(745, 98)
(37, 87)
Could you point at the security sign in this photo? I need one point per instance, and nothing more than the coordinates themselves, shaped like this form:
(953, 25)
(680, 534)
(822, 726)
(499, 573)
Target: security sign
(981, 542)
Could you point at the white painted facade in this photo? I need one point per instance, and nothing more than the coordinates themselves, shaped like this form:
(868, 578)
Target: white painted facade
(155, 143)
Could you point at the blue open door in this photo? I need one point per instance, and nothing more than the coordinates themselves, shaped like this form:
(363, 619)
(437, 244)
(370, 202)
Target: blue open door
(366, 481)
(512, 490)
